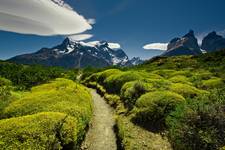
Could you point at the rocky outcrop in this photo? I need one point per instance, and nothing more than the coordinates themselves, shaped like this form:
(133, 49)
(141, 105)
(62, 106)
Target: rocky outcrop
(213, 42)
(187, 45)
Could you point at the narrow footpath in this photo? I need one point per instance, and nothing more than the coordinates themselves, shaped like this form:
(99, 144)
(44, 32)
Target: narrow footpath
(100, 135)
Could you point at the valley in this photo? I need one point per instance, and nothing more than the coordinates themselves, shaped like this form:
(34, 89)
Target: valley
(150, 106)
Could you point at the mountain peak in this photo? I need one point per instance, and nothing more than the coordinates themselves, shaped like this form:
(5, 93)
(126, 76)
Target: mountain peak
(187, 45)
(79, 54)
(191, 33)
(213, 42)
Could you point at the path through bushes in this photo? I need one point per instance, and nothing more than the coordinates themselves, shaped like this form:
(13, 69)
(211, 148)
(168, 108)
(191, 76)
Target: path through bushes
(100, 134)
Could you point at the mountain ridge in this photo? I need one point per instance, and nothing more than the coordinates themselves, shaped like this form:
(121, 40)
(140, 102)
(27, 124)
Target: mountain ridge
(78, 54)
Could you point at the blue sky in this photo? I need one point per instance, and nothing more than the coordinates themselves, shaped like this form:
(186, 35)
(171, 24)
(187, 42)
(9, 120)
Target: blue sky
(132, 23)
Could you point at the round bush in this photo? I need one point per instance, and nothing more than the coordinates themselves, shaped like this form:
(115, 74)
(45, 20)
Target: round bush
(164, 72)
(180, 79)
(61, 95)
(152, 108)
(5, 82)
(115, 82)
(186, 90)
(40, 131)
(212, 83)
(131, 91)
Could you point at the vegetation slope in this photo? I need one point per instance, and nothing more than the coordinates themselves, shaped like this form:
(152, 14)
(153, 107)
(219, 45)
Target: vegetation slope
(53, 115)
(181, 99)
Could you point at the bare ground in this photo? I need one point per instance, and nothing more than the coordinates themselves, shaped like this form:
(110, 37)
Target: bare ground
(100, 135)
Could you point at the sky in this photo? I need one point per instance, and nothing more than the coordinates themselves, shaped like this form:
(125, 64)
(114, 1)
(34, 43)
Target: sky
(131, 23)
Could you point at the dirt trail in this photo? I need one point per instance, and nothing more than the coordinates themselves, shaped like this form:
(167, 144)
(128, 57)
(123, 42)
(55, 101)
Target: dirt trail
(100, 135)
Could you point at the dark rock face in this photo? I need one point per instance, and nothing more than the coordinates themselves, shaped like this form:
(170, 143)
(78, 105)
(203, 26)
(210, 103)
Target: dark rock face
(71, 54)
(213, 42)
(187, 45)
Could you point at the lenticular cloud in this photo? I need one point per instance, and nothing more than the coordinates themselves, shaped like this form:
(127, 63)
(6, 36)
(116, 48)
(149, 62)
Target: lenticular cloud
(40, 17)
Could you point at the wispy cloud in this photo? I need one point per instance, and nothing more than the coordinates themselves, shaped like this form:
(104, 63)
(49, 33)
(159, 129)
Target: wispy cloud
(80, 37)
(41, 17)
(91, 21)
(200, 37)
(156, 46)
(114, 45)
(222, 32)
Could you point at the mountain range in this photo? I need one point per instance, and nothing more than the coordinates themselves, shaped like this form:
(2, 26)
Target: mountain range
(74, 54)
(188, 44)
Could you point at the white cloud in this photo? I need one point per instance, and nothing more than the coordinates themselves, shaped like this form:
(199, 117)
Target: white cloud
(62, 4)
(156, 46)
(114, 45)
(222, 32)
(41, 17)
(80, 37)
(200, 37)
(110, 45)
(91, 21)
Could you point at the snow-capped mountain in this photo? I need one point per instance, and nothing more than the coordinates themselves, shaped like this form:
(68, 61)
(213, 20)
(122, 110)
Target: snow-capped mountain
(73, 54)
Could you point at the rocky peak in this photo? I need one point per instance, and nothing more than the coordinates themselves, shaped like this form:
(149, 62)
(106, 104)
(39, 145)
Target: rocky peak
(213, 42)
(187, 45)
(189, 34)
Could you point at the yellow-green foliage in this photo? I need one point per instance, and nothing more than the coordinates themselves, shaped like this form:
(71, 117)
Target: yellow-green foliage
(113, 100)
(115, 82)
(152, 108)
(186, 73)
(61, 95)
(5, 82)
(131, 91)
(101, 76)
(133, 137)
(159, 84)
(180, 79)
(212, 83)
(69, 110)
(148, 100)
(186, 90)
(41, 131)
(164, 72)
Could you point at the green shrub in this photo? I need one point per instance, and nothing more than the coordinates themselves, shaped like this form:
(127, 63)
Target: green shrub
(105, 74)
(212, 83)
(180, 79)
(101, 76)
(199, 124)
(132, 137)
(114, 83)
(5, 82)
(5, 93)
(40, 131)
(152, 108)
(186, 90)
(159, 84)
(61, 95)
(164, 72)
(186, 73)
(113, 100)
(131, 91)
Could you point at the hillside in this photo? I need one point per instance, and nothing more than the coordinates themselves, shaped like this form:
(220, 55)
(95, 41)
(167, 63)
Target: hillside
(176, 99)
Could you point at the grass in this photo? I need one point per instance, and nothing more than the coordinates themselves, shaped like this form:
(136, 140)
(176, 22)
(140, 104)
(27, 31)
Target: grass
(133, 137)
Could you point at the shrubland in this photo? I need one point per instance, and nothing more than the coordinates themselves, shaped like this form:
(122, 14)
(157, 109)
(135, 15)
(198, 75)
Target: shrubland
(171, 96)
(53, 115)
